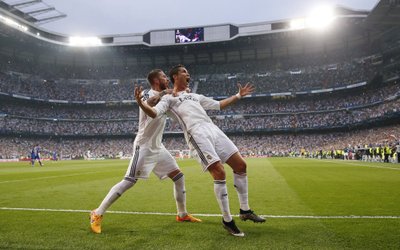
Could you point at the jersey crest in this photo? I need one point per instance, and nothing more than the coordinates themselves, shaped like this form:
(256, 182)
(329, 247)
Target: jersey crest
(146, 94)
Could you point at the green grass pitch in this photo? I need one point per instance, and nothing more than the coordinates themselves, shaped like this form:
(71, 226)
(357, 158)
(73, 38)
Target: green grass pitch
(323, 193)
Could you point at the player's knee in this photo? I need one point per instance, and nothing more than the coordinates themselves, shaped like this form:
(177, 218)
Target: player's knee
(240, 168)
(217, 171)
(130, 181)
(127, 185)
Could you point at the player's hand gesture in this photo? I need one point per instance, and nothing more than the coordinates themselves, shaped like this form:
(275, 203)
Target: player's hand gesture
(138, 94)
(246, 90)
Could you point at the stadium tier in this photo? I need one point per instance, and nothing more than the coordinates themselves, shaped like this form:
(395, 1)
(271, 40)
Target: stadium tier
(299, 79)
(261, 145)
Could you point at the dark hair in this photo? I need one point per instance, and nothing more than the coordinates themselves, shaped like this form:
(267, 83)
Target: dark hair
(153, 74)
(175, 71)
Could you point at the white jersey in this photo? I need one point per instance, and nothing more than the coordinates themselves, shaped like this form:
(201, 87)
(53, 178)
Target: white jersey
(183, 39)
(207, 142)
(189, 109)
(150, 130)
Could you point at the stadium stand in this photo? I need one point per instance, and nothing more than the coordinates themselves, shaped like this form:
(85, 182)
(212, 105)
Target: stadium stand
(328, 93)
(249, 145)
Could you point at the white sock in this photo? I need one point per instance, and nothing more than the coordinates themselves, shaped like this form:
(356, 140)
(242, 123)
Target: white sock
(241, 185)
(221, 193)
(180, 194)
(115, 192)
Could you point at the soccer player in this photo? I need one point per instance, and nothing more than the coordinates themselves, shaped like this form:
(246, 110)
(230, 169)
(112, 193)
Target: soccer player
(180, 38)
(212, 146)
(35, 155)
(32, 157)
(149, 154)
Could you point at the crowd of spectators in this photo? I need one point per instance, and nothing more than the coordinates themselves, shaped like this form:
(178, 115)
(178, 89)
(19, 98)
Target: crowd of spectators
(82, 112)
(229, 123)
(248, 106)
(65, 149)
(69, 71)
(284, 144)
(249, 145)
(318, 77)
(117, 89)
(55, 127)
(343, 100)
(124, 70)
(67, 90)
(340, 118)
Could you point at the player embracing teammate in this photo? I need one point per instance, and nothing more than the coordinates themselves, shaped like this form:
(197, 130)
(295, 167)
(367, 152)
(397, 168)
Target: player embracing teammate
(149, 155)
(211, 145)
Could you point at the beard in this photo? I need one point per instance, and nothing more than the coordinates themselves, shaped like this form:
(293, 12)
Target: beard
(164, 86)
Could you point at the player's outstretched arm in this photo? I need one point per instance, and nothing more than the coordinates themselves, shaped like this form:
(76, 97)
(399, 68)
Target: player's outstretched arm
(243, 91)
(143, 105)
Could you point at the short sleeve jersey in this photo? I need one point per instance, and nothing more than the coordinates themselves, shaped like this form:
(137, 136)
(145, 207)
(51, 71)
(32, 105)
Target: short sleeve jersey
(190, 108)
(150, 130)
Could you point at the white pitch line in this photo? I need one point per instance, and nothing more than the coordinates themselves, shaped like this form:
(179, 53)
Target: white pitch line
(354, 164)
(48, 177)
(209, 215)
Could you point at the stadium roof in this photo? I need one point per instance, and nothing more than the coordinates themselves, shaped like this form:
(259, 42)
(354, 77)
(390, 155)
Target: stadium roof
(124, 17)
(247, 41)
(386, 13)
(33, 11)
(89, 18)
(166, 37)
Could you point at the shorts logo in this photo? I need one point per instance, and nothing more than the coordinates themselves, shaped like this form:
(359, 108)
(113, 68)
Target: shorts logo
(138, 173)
(209, 157)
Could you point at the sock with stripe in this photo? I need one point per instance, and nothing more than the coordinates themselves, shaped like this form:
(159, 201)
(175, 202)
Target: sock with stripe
(115, 192)
(241, 185)
(221, 193)
(180, 194)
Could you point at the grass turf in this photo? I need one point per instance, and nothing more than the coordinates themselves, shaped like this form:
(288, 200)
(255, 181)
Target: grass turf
(278, 186)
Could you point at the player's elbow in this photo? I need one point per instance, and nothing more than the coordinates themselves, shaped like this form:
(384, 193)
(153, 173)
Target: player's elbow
(153, 113)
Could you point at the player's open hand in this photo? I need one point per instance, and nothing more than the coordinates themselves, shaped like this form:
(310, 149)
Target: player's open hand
(138, 93)
(246, 90)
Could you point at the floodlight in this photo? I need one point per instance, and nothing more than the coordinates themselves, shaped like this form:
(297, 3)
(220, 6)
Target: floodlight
(84, 41)
(297, 24)
(320, 17)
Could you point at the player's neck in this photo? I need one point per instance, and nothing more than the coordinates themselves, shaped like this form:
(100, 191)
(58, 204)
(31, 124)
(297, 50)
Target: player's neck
(179, 88)
(157, 88)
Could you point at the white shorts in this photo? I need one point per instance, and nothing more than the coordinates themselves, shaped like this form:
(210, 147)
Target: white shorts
(145, 160)
(209, 144)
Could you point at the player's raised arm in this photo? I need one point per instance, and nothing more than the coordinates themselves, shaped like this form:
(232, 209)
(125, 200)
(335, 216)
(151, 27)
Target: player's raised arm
(142, 104)
(243, 91)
